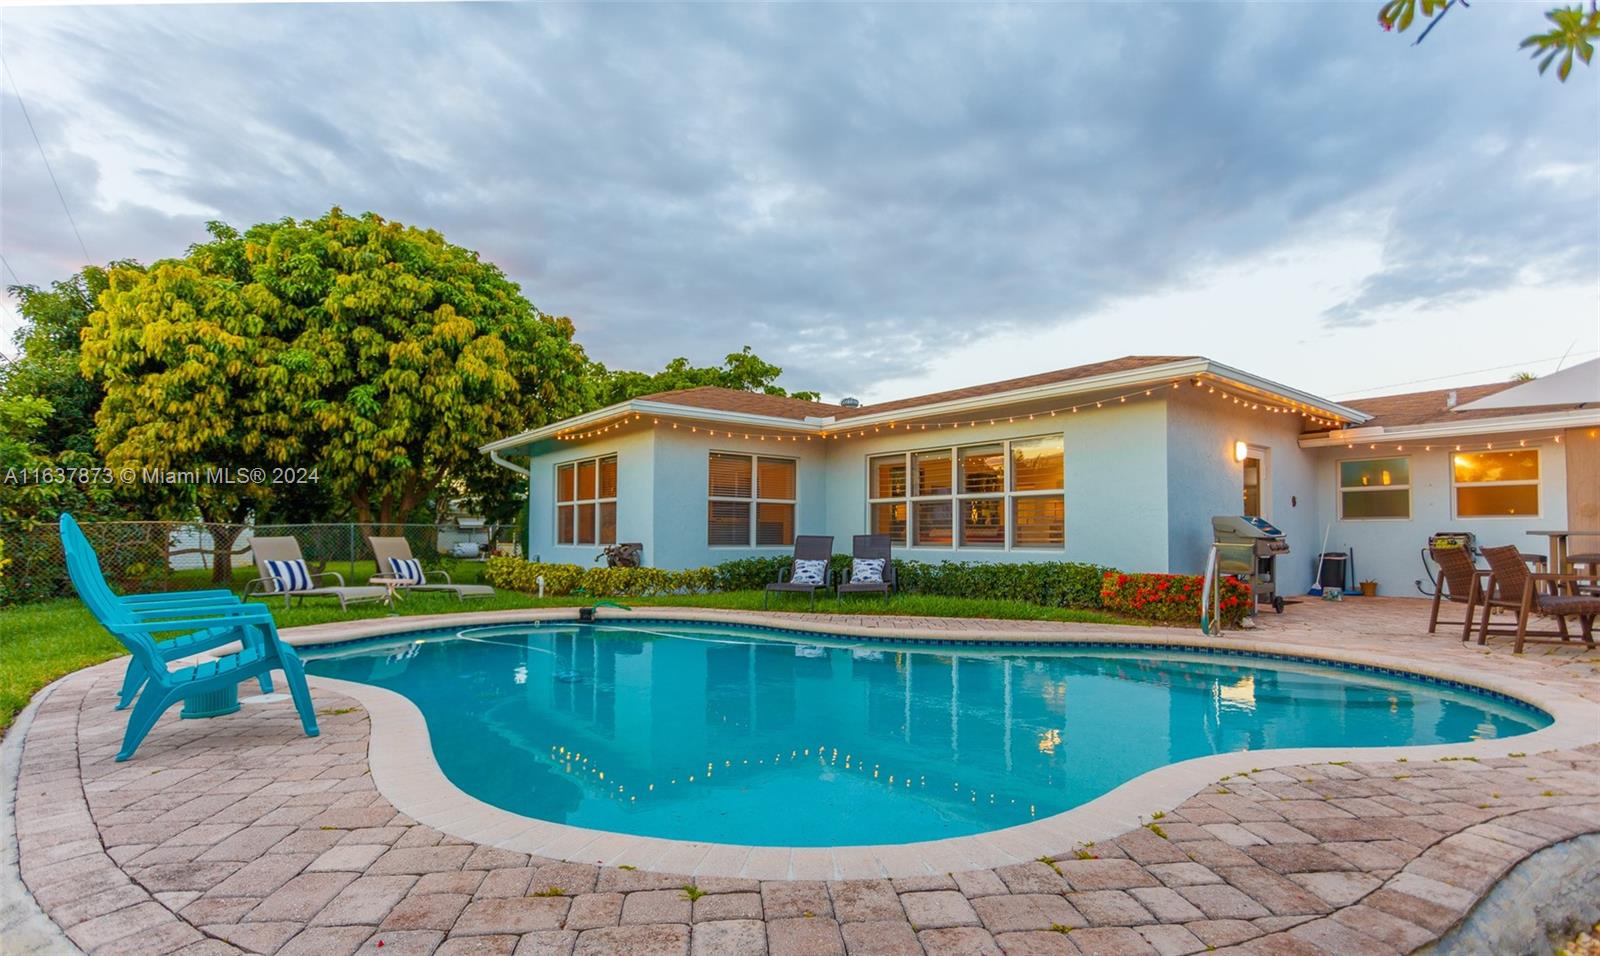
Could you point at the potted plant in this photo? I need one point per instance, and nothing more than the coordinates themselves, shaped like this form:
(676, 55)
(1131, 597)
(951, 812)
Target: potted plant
(1369, 588)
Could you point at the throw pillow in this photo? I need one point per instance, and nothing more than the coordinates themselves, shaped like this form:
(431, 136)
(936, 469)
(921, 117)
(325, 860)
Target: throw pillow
(809, 571)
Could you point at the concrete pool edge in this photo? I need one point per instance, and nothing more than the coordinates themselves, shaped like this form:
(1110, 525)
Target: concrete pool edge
(406, 773)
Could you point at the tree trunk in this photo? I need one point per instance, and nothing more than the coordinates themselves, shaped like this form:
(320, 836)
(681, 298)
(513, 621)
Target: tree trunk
(222, 538)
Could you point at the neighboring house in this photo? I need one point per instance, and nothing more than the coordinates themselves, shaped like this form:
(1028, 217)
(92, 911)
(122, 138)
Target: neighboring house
(1120, 463)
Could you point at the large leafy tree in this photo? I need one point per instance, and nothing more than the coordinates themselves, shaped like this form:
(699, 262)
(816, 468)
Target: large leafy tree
(743, 370)
(47, 408)
(376, 353)
(1572, 35)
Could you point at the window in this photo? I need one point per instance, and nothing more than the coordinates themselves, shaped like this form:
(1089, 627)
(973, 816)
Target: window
(586, 501)
(751, 500)
(997, 495)
(1375, 488)
(1496, 484)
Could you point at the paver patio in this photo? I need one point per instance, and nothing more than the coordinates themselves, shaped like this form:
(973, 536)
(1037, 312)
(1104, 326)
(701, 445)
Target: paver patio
(241, 835)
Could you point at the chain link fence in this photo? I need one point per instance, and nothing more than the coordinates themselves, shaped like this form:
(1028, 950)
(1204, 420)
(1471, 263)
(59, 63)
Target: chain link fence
(175, 555)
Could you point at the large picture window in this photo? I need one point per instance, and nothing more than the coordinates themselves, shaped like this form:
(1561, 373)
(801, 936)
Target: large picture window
(1375, 488)
(1496, 484)
(998, 495)
(586, 501)
(750, 501)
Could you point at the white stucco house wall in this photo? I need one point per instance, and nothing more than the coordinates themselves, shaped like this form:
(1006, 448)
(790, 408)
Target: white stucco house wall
(1121, 463)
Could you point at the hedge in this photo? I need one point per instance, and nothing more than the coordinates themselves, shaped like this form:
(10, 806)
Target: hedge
(1161, 598)
(1171, 598)
(560, 579)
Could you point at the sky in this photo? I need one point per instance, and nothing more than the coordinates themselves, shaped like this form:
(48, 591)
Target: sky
(883, 199)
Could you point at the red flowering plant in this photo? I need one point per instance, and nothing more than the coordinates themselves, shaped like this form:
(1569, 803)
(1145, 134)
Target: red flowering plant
(1171, 598)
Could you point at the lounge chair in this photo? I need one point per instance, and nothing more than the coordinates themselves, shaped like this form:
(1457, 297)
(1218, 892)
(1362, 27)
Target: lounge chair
(394, 561)
(261, 653)
(82, 559)
(282, 570)
(809, 548)
(871, 548)
(1511, 586)
(1459, 581)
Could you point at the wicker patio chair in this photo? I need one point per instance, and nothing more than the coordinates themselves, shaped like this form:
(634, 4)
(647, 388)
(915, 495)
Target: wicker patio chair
(1459, 581)
(1513, 587)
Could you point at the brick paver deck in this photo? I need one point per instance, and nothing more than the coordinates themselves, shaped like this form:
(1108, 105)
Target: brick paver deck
(241, 835)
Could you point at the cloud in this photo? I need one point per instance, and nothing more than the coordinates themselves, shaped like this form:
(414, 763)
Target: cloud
(848, 189)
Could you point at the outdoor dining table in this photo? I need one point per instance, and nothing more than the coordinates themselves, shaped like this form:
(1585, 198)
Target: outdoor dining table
(1558, 546)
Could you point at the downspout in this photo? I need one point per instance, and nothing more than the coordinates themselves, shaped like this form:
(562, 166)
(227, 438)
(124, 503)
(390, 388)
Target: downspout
(494, 456)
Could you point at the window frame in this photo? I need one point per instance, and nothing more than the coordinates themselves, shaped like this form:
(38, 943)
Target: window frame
(1409, 487)
(576, 502)
(956, 497)
(1537, 483)
(754, 501)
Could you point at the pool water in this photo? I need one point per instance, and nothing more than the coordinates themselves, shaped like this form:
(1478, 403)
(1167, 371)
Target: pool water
(729, 735)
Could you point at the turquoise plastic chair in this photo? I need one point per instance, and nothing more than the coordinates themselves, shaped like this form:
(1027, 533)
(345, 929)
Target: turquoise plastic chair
(262, 652)
(144, 607)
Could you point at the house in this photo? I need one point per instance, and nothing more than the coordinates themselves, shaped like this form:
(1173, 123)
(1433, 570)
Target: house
(1120, 463)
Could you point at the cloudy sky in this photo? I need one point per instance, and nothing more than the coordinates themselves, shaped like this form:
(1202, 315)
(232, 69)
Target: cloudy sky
(884, 199)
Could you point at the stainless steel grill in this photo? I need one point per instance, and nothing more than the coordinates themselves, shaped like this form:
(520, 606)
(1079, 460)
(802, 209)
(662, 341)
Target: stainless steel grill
(1249, 548)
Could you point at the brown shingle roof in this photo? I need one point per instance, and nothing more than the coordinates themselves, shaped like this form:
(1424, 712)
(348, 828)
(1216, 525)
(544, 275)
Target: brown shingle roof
(1127, 363)
(755, 403)
(750, 403)
(1423, 408)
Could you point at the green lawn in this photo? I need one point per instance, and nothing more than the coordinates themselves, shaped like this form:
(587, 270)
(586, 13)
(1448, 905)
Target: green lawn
(40, 642)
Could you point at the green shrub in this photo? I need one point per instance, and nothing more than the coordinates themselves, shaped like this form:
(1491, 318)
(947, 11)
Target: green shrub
(748, 574)
(515, 574)
(1164, 598)
(1048, 583)
(1171, 598)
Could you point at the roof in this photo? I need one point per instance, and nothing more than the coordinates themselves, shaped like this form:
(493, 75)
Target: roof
(752, 403)
(1128, 363)
(778, 406)
(1430, 407)
(731, 407)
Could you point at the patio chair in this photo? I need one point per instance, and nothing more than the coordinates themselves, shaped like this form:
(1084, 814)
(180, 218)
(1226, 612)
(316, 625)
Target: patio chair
(1459, 581)
(90, 580)
(72, 537)
(873, 550)
(282, 570)
(808, 548)
(260, 654)
(1513, 587)
(393, 560)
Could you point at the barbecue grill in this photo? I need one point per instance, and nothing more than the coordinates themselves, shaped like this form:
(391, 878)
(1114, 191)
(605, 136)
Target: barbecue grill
(1249, 548)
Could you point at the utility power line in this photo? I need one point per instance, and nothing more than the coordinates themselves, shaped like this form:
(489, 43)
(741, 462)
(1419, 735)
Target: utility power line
(1475, 371)
(59, 194)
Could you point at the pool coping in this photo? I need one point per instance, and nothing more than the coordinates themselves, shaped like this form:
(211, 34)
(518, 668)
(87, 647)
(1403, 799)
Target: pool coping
(406, 773)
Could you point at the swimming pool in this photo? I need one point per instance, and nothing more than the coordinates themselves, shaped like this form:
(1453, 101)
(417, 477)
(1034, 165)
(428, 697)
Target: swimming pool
(745, 735)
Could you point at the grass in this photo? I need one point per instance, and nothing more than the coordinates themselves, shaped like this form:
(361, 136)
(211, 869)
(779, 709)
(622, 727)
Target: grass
(41, 642)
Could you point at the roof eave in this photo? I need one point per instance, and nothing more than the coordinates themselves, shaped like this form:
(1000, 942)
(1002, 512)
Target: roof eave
(1572, 418)
(640, 407)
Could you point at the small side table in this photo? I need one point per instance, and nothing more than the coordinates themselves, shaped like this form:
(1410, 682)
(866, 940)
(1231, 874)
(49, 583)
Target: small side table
(391, 588)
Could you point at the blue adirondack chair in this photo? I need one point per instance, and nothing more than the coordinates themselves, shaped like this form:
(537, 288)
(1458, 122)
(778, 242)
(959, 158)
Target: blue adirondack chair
(145, 607)
(262, 652)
